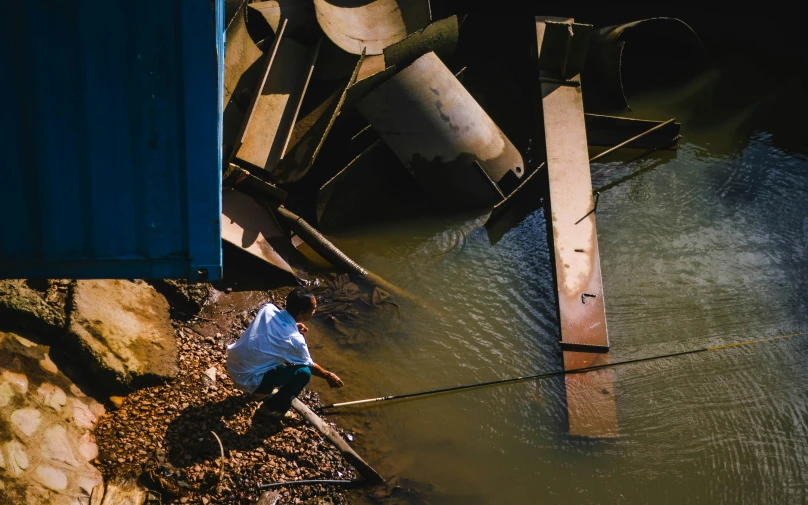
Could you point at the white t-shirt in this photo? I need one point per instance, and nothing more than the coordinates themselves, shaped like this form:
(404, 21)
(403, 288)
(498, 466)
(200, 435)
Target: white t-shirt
(271, 340)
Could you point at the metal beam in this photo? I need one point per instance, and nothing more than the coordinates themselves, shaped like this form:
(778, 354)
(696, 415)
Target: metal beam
(582, 315)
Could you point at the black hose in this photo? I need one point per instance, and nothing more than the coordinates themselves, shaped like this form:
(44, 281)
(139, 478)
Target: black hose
(330, 253)
(306, 482)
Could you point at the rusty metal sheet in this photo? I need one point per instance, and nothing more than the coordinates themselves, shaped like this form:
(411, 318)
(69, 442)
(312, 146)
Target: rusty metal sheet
(355, 25)
(242, 73)
(366, 135)
(582, 317)
(439, 37)
(302, 22)
(371, 65)
(442, 135)
(250, 226)
(333, 63)
(268, 125)
(230, 9)
(310, 131)
(372, 73)
(375, 69)
(581, 305)
(564, 49)
(241, 52)
(522, 201)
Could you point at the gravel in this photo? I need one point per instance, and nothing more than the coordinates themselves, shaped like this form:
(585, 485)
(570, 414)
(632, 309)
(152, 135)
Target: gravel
(164, 434)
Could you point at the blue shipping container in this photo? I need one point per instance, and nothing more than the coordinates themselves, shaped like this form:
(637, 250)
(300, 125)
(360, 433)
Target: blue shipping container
(111, 139)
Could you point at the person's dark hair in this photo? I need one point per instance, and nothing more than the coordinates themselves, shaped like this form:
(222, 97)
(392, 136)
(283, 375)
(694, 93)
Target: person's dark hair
(299, 301)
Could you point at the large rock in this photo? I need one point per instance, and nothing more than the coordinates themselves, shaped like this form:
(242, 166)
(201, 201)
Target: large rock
(187, 298)
(122, 331)
(23, 308)
(45, 452)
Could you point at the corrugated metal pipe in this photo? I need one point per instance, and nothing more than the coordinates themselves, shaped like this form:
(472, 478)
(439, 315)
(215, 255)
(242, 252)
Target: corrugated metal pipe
(330, 253)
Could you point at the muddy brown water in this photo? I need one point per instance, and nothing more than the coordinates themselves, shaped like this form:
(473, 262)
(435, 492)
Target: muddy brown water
(709, 246)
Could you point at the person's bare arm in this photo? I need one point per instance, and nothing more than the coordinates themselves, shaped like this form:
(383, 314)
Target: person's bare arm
(333, 380)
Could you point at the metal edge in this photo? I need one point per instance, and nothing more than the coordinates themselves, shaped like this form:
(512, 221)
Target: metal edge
(312, 61)
(202, 147)
(270, 57)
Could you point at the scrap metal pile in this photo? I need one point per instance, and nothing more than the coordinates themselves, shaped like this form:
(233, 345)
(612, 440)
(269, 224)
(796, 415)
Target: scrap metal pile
(337, 109)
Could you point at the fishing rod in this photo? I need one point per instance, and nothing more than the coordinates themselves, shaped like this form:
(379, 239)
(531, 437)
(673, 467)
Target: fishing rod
(556, 374)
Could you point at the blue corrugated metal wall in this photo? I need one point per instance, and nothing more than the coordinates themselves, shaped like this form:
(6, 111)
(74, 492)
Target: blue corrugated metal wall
(111, 139)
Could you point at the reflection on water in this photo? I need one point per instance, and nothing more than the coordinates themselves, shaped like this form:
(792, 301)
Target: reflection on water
(708, 247)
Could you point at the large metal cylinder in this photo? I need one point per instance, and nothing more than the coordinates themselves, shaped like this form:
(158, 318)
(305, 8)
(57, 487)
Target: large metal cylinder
(641, 55)
(354, 25)
(442, 135)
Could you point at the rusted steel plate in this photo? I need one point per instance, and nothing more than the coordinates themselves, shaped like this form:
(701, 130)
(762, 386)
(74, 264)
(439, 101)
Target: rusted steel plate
(367, 135)
(241, 52)
(371, 65)
(355, 25)
(230, 9)
(581, 306)
(441, 134)
(302, 24)
(371, 74)
(516, 206)
(242, 74)
(250, 226)
(609, 131)
(268, 125)
(309, 133)
(439, 37)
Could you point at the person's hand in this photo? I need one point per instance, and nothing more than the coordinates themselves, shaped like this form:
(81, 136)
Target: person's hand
(333, 380)
(301, 328)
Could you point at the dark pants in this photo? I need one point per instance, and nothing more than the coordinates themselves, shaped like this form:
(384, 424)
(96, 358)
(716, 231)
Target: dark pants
(290, 379)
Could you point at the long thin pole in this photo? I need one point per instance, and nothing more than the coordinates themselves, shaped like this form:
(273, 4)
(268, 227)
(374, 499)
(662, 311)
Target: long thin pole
(632, 139)
(556, 374)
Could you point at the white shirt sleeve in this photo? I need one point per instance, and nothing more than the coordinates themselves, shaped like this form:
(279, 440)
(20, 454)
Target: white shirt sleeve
(298, 354)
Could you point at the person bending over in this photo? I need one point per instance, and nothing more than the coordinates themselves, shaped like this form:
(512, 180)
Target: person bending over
(272, 353)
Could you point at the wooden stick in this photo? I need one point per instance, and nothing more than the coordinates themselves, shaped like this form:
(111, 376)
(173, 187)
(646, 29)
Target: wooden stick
(221, 451)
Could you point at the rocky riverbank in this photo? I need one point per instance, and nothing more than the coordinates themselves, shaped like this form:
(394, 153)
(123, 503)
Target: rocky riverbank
(166, 432)
(159, 399)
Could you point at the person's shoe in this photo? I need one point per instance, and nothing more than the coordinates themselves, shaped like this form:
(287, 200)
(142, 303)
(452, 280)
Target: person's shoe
(262, 396)
(274, 415)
